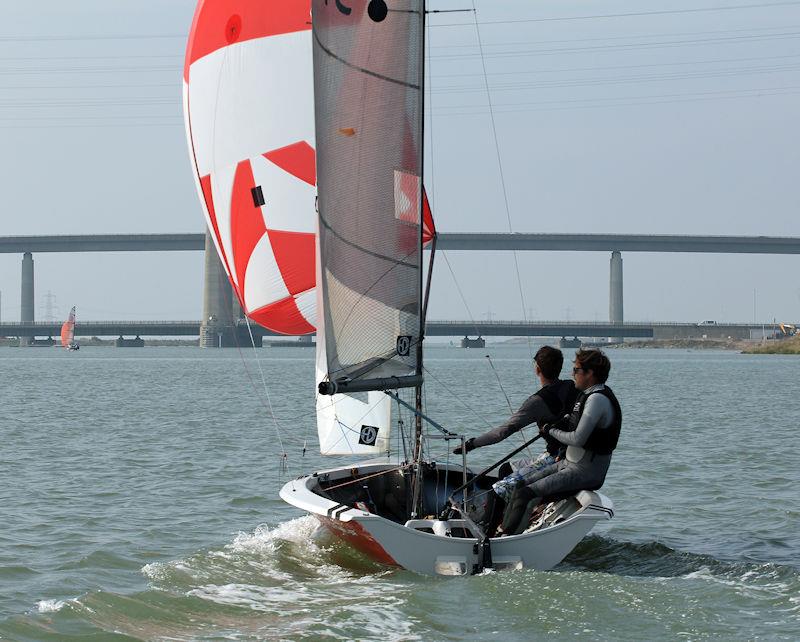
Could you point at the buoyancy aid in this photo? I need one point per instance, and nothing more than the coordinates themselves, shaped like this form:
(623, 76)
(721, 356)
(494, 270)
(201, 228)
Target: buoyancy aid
(559, 397)
(602, 441)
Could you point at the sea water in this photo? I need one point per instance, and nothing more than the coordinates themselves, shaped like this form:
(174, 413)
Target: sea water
(139, 501)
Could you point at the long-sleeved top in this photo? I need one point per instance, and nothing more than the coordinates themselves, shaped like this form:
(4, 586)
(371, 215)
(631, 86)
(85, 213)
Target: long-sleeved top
(533, 409)
(597, 413)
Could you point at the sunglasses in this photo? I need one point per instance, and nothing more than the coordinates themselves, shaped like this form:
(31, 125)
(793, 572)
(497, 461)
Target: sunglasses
(577, 370)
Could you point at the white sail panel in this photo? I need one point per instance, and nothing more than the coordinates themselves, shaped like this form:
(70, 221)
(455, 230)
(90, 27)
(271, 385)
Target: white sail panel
(349, 426)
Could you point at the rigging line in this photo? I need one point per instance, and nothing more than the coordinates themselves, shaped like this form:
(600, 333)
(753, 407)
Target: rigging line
(103, 86)
(500, 383)
(429, 87)
(123, 37)
(500, 167)
(360, 479)
(563, 102)
(616, 67)
(522, 435)
(253, 383)
(625, 47)
(105, 57)
(624, 80)
(634, 14)
(460, 292)
(398, 262)
(263, 381)
(533, 107)
(457, 397)
(628, 37)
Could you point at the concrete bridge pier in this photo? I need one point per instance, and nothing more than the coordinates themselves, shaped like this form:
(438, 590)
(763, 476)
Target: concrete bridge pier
(217, 329)
(27, 298)
(615, 309)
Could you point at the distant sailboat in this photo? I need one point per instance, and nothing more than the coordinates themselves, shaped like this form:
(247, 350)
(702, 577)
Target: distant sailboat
(68, 332)
(248, 104)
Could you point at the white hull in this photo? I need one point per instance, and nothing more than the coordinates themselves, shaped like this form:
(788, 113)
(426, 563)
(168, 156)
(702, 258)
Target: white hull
(410, 546)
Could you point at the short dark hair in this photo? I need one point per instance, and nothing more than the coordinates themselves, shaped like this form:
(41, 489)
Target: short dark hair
(550, 361)
(594, 360)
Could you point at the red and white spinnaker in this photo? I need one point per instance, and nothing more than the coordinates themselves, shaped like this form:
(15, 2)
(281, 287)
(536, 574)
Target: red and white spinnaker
(249, 115)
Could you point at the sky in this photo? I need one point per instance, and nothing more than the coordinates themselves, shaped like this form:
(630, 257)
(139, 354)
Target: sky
(661, 117)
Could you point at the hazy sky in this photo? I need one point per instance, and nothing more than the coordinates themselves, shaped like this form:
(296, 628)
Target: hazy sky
(663, 117)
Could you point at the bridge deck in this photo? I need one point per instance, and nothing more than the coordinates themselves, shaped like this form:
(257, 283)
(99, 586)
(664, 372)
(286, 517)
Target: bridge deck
(451, 241)
(433, 328)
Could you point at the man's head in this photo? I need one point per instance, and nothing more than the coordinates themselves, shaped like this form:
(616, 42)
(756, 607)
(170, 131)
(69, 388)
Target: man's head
(548, 362)
(591, 367)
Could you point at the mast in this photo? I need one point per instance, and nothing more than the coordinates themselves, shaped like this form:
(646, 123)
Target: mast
(419, 476)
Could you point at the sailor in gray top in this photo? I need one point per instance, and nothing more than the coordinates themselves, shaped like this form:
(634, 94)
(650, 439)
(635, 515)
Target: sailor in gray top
(548, 404)
(590, 434)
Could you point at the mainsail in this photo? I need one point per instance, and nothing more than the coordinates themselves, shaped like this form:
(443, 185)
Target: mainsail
(248, 110)
(368, 67)
(68, 329)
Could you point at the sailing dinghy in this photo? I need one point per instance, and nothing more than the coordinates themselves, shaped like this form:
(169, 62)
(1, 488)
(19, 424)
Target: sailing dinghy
(68, 332)
(354, 269)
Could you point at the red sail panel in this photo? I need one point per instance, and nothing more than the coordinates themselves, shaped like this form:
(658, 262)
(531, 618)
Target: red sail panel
(428, 227)
(247, 223)
(298, 159)
(291, 250)
(283, 316)
(220, 23)
(66, 334)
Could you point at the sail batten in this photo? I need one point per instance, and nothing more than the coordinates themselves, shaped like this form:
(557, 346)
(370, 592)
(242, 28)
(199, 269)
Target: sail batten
(368, 117)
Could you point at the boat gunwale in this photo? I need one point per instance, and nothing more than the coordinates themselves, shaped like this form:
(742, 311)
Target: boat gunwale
(596, 511)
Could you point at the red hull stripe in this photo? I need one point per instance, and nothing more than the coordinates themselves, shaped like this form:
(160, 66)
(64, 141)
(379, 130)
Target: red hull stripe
(219, 23)
(282, 316)
(205, 185)
(297, 159)
(247, 222)
(356, 535)
(295, 255)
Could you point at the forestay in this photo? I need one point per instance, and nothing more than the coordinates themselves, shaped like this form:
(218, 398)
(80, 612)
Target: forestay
(368, 66)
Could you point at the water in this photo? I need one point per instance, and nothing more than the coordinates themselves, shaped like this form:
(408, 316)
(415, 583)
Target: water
(138, 501)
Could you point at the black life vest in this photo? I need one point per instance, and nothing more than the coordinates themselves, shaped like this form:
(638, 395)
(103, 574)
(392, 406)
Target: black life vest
(559, 397)
(602, 441)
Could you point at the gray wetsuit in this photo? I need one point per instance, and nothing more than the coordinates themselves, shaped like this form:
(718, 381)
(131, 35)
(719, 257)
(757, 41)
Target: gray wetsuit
(581, 469)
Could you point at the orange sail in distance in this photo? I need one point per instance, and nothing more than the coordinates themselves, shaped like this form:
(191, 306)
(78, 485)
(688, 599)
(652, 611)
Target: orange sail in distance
(68, 332)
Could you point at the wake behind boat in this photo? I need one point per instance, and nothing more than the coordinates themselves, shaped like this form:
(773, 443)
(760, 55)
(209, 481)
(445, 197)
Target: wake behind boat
(354, 271)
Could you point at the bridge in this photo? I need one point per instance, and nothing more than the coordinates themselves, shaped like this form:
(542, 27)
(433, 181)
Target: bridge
(218, 302)
(584, 329)
(446, 241)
